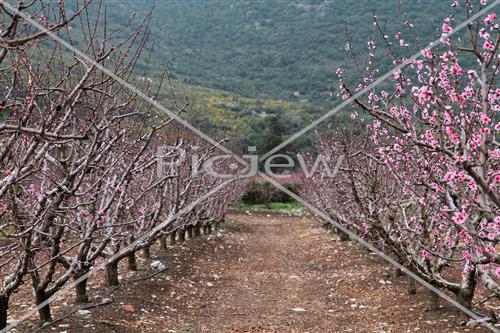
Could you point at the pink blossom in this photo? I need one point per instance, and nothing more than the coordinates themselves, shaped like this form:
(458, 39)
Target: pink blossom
(490, 18)
(484, 118)
(486, 130)
(489, 249)
(426, 53)
(423, 93)
(487, 45)
(497, 271)
(460, 217)
(447, 28)
(467, 255)
(495, 153)
(484, 34)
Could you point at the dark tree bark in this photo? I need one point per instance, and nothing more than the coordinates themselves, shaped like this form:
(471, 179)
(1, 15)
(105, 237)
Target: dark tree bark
(81, 290)
(112, 274)
(464, 297)
(207, 230)
(197, 231)
(163, 243)
(132, 262)
(4, 306)
(182, 235)
(146, 252)
(43, 312)
(172, 237)
(412, 287)
(466, 292)
(398, 272)
(342, 235)
(434, 301)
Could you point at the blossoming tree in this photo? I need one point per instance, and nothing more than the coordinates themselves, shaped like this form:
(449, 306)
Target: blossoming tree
(422, 180)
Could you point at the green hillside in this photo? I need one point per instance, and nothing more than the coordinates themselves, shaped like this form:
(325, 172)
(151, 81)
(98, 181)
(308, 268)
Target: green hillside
(276, 49)
(278, 53)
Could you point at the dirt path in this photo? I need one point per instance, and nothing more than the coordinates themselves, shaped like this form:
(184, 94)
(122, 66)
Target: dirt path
(267, 274)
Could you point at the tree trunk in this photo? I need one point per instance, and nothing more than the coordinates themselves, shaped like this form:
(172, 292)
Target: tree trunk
(434, 301)
(398, 272)
(412, 287)
(197, 231)
(81, 290)
(172, 237)
(146, 252)
(132, 262)
(466, 292)
(4, 306)
(464, 297)
(342, 235)
(163, 243)
(190, 232)
(182, 235)
(43, 312)
(206, 230)
(112, 274)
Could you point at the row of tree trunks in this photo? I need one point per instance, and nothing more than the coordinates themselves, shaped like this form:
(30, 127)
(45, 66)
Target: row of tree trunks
(190, 232)
(111, 268)
(111, 272)
(463, 297)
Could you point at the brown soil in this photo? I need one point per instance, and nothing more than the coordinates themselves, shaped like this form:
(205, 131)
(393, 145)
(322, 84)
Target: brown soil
(262, 273)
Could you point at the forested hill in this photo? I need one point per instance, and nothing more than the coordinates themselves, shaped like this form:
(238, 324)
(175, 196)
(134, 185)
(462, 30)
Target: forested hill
(276, 49)
(262, 70)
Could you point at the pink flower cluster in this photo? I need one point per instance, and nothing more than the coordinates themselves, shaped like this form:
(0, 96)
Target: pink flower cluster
(460, 217)
(447, 28)
(490, 18)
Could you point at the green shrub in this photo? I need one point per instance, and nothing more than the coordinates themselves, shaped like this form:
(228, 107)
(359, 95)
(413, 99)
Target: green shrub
(265, 193)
